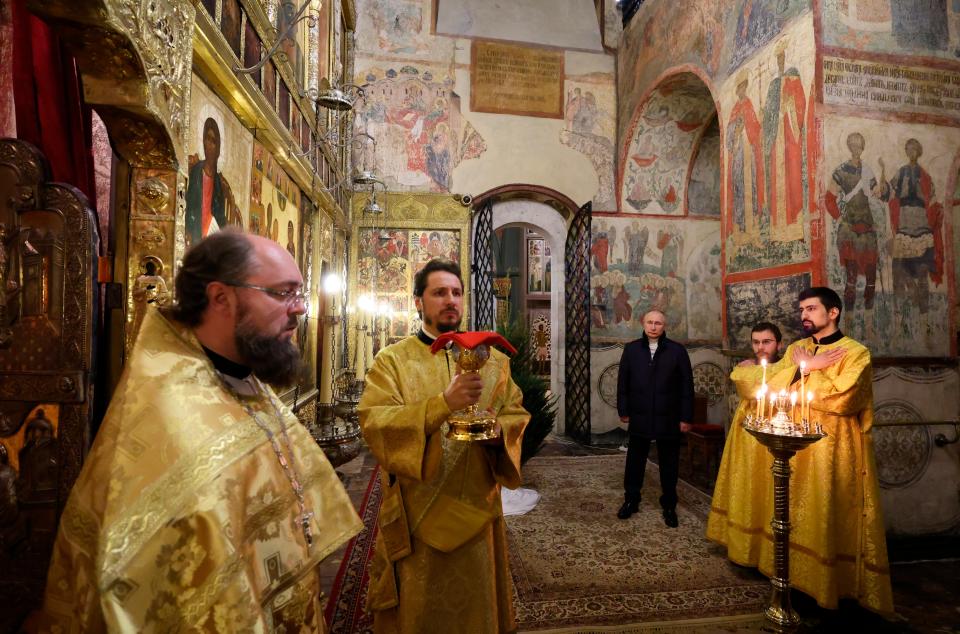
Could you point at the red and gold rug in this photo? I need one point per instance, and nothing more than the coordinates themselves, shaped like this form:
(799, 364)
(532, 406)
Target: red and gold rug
(576, 565)
(345, 613)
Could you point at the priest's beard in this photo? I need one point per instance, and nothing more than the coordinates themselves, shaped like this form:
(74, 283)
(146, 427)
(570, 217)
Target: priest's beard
(810, 328)
(274, 361)
(441, 328)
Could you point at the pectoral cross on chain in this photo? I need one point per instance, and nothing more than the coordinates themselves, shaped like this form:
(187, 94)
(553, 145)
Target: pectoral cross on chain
(307, 531)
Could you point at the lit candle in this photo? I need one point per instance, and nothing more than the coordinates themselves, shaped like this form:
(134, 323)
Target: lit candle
(773, 401)
(763, 364)
(793, 407)
(809, 398)
(803, 369)
(762, 397)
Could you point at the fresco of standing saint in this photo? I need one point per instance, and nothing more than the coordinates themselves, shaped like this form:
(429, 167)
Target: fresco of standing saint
(916, 219)
(851, 192)
(745, 187)
(784, 151)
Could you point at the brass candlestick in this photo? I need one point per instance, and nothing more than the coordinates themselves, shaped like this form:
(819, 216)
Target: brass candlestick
(470, 423)
(782, 444)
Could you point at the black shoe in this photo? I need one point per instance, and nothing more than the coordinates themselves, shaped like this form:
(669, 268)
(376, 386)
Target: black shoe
(670, 518)
(628, 509)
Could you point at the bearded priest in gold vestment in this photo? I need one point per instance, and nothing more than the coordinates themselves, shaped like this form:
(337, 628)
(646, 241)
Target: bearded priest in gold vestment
(440, 563)
(204, 504)
(838, 544)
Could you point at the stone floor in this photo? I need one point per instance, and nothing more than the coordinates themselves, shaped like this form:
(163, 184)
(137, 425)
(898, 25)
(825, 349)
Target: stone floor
(925, 573)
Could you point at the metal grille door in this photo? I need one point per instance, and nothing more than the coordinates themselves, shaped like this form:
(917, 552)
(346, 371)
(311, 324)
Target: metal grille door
(577, 397)
(482, 267)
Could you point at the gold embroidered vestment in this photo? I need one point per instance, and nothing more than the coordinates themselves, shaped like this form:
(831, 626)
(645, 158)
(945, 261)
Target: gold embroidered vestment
(441, 555)
(182, 518)
(742, 504)
(838, 544)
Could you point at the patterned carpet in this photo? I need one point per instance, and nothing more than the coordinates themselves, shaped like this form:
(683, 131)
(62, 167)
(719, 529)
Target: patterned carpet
(345, 612)
(578, 568)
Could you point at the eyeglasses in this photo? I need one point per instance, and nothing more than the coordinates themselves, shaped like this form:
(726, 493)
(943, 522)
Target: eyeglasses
(288, 297)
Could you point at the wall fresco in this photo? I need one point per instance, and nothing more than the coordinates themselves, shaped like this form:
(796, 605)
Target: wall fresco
(951, 214)
(416, 118)
(337, 71)
(663, 35)
(639, 264)
(703, 191)
(758, 22)
(773, 300)
(703, 286)
(886, 232)
(399, 28)
(766, 171)
(589, 128)
(718, 36)
(220, 150)
(922, 27)
(658, 157)
(423, 146)
(612, 24)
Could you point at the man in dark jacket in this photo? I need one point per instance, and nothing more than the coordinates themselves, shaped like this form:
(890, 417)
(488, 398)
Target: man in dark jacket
(655, 396)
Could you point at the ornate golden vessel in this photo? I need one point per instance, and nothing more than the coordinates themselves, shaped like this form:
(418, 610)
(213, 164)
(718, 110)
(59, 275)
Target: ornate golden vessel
(471, 350)
(471, 423)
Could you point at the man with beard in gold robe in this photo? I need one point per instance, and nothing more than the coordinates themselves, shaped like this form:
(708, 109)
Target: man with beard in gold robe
(838, 547)
(440, 563)
(204, 505)
(742, 497)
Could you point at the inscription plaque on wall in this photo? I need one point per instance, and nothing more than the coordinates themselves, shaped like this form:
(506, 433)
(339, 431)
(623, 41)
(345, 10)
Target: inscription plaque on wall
(514, 79)
(891, 87)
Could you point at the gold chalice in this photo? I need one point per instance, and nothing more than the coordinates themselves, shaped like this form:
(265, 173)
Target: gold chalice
(470, 423)
(471, 350)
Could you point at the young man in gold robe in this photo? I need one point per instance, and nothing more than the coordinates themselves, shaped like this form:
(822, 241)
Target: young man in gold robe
(741, 509)
(838, 546)
(204, 505)
(441, 555)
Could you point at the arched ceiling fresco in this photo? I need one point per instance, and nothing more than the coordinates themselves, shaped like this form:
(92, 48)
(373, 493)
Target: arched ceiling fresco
(662, 140)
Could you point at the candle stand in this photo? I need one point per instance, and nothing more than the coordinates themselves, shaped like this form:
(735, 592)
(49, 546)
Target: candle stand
(782, 439)
(339, 433)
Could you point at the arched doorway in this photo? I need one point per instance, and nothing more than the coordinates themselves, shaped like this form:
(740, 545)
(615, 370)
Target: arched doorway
(538, 215)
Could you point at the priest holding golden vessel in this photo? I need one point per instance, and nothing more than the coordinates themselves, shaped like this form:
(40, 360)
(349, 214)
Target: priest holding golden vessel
(441, 559)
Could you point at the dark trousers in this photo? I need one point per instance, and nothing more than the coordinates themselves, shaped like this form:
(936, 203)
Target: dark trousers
(668, 452)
